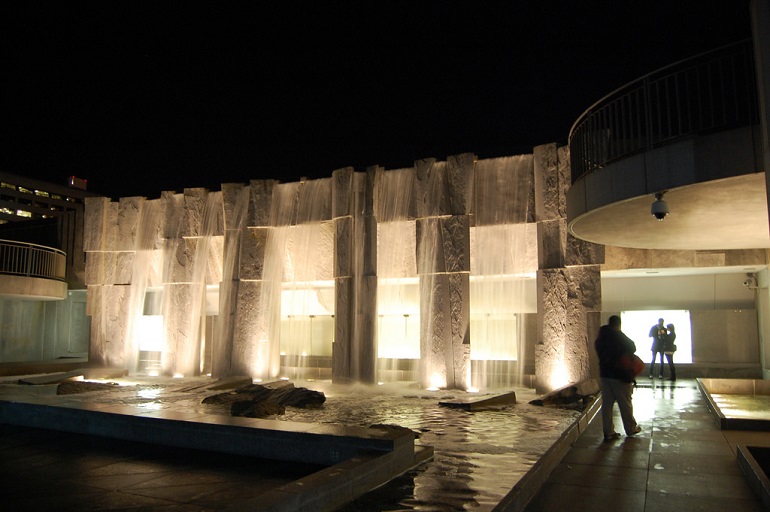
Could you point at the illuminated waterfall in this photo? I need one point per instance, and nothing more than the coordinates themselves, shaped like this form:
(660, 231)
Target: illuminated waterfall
(281, 280)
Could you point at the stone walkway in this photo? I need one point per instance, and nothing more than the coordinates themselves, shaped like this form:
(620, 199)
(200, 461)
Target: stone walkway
(680, 461)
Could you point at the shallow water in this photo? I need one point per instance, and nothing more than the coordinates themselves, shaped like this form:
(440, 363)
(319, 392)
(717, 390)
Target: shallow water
(478, 456)
(743, 406)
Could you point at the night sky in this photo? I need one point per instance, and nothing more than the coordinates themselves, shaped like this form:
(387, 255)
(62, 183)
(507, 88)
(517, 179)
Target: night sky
(144, 97)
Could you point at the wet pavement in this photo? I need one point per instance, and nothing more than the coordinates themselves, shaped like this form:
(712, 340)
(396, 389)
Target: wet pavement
(680, 461)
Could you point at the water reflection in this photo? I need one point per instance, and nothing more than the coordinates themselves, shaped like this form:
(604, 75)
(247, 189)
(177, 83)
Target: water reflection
(478, 457)
(743, 406)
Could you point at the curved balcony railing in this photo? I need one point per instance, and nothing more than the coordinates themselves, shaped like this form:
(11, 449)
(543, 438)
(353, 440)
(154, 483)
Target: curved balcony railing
(31, 260)
(709, 92)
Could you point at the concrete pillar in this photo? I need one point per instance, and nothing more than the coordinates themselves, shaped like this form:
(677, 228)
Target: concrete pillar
(568, 280)
(233, 197)
(251, 352)
(354, 354)
(443, 265)
(105, 300)
(181, 331)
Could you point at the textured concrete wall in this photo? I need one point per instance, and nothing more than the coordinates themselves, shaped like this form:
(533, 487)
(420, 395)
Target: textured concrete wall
(444, 193)
(569, 280)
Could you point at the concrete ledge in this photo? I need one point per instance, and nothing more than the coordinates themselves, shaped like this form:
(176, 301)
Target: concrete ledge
(312, 443)
(751, 459)
(482, 403)
(331, 488)
(528, 486)
(746, 387)
(360, 459)
(23, 287)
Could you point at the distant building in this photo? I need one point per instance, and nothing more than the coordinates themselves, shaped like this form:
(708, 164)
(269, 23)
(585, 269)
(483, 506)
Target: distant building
(50, 215)
(42, 271)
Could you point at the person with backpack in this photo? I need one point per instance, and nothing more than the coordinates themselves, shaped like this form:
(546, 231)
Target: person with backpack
(615, 349)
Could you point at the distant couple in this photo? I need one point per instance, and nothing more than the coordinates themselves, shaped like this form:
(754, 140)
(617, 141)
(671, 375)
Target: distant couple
(663, 337)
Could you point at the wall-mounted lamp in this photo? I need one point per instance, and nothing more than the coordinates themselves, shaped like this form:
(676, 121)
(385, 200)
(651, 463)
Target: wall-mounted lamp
(659, 207)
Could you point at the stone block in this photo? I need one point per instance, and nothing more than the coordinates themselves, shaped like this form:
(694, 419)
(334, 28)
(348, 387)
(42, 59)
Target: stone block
(552, 301)
(109, 268)
(459, 172)
(368, 244)
(252, 252)
(576, 343)
(342, 347)
(124, 267)
(111, 227)
(108, 346)
(95, 223)
(129, 209)
(193, 211)
(430, 188)
(342, 192)
(260, 202)
(620, 258)
(435, 329)
(552, 240)
(564, 171)
(585, 286)
(343, 246)
(459, 304)
(580, 252)
(546, 179)
(443, 244)
(235, 205)
(747, 257)
(172, 205)
(254, 346)
(671, 259)
(215, 259)
(181, 265)
(94, 274)
(365, 355)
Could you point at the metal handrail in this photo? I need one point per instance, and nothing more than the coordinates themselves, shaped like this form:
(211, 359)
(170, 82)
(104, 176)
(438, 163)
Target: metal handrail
(711, 91)
(32, 260)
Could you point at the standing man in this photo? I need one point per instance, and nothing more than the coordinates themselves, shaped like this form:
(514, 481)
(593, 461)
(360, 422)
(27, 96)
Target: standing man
(658, 333)
(617, 381)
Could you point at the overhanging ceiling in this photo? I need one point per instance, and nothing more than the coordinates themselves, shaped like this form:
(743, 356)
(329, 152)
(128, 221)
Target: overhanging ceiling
(730, 213)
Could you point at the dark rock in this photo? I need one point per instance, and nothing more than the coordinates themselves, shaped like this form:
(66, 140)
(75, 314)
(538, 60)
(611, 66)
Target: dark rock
(252, 392)
(260, 400)
(297, 397)
(74, 387)
(573, 396)
(249, 409)
(396, 428)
